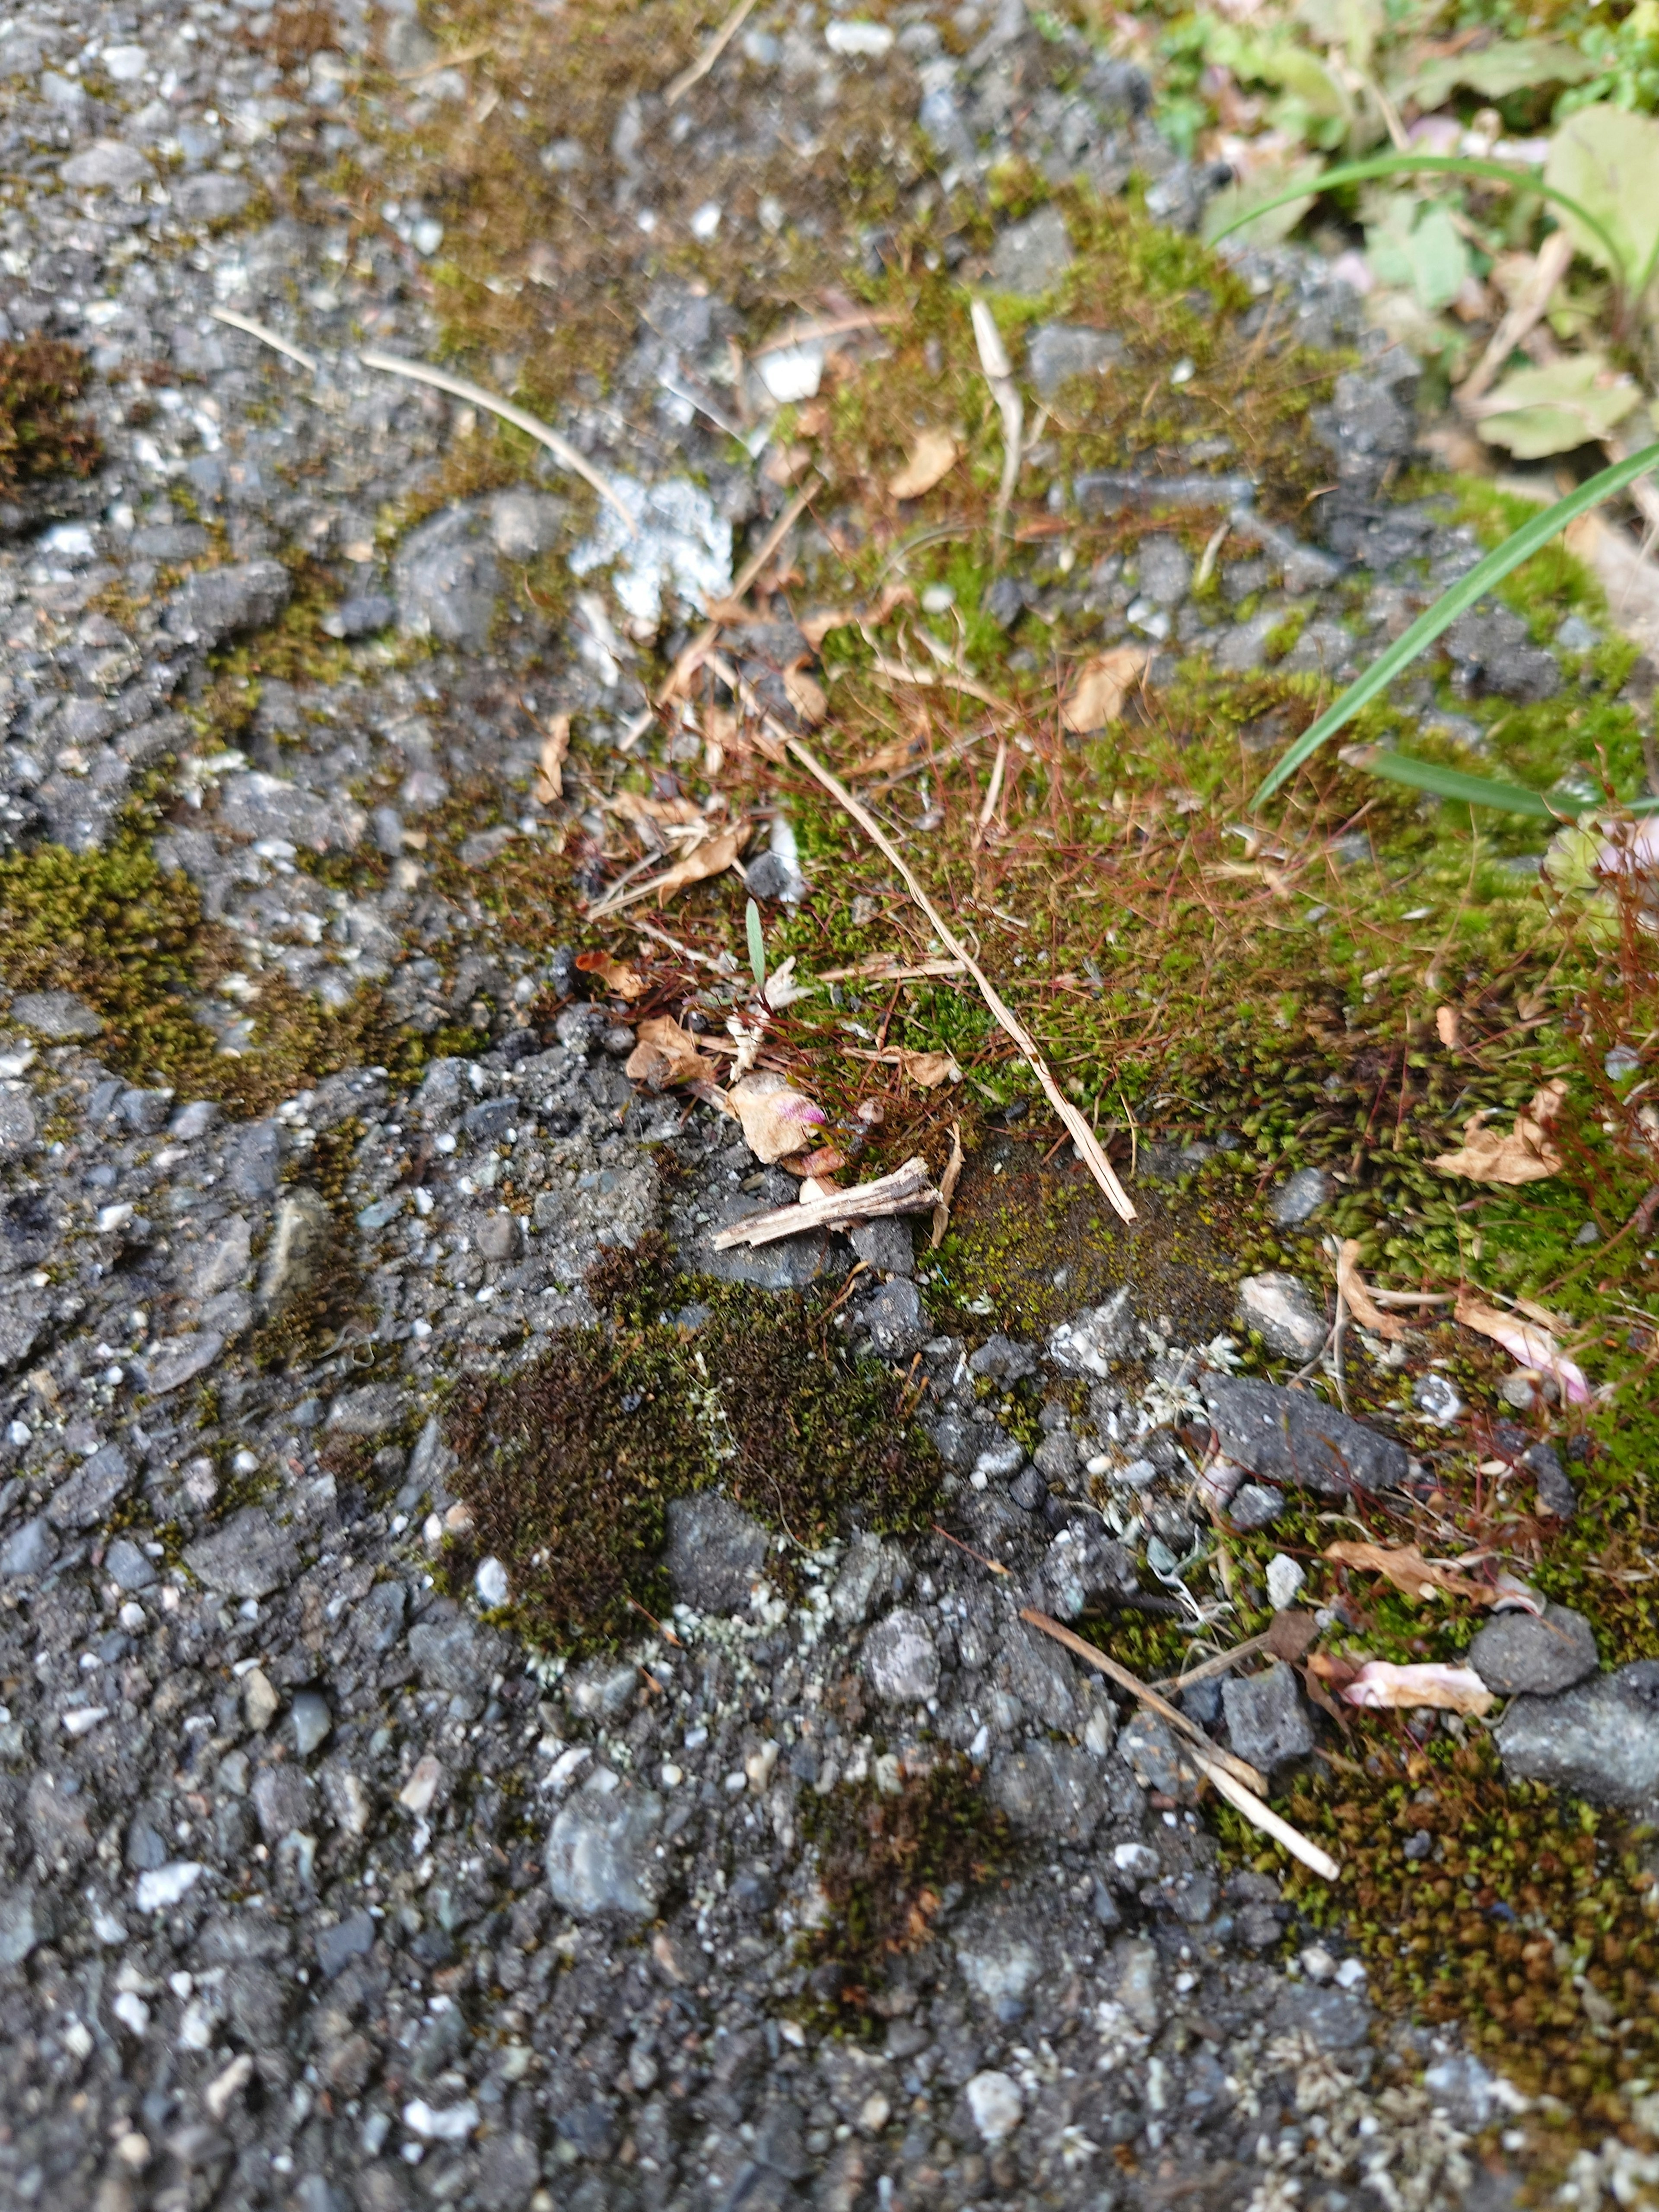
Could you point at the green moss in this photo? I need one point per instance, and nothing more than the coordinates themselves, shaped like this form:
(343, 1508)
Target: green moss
(42, 432)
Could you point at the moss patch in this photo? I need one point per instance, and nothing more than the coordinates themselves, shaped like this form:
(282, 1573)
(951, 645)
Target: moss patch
(42, 432)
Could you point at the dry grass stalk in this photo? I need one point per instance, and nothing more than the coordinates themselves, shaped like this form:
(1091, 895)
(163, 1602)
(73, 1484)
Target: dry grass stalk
(696, 72)
(1082, 1135)
(247, 324)
(686, 667)
(947, 1189)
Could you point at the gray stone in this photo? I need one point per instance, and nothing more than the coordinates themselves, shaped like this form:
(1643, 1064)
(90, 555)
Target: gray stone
(311, 1721)
(1492, 652)
(129, 1567)
(1058, 351)
(524, 523)
(601, 1852)
(1267, 1721)
(1085, 1568)
(59, 1016)
(253, 1160)
(1000, 1955)
(871, 1573)
(603, 1690)
(886, 1245)
(1300, 1196)
(1158, 1758)
(452, 1655)
(509, 2168)
(29, 1550)
(716, 1553)
(256, 805)
(900, 1661)
(1533, 1655)
(956, 1439)
(1030, 257)
(1051, 1791)
(224, 1258)
(210, 197)
(1035, 1670)
(1330, 2018)
(349, 1939)
(1253, 1505)
(297, 1256)
(86, 1499)
(374, 1410)
(24, 1923)
(1290, 1437)
(1601, 1738)
(894, 1319)
(18, 1127)
(1281, 1310)
(107, 164)
(1003, 1359)
(1556, 1495)
(283, 1800)
(1056, 1457)
(23, 1320)
(249, 1557)
(448, 582)
(177, 1360)
(1098, 1337)
(1165, 571)
(207, 608)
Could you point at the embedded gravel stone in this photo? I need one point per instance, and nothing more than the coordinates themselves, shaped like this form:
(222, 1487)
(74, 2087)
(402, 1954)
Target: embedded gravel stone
(1533, 1655)
(901, 1660)
(716, 1553)
(600, 1851)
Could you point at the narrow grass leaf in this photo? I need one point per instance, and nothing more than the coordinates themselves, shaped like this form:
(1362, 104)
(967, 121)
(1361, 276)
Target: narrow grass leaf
(1449, 783)
(1446, 165)
(751, 923)
(1537, 530)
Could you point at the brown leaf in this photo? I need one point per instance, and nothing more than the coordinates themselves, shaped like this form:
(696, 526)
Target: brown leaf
(711, 857)
(616, 974)
(1526, 1155)
(666, 1054)
(776, 1120)
(635, 806)
(806, 695)
(932, 458)
(815, 628)
(1291, 1632)
(929, 1069)
(1409, 1571)
(555, 745)
(895, 754)
(1360, 1303)
(1101, 686)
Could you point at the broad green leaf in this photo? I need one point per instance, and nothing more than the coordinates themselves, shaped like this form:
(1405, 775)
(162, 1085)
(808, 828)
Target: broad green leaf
(1539, 412)
(1308, 81)
(1607, 160)
(1439, 259)
(1502, 562)
(1511, 66)
(1231, 208)
(1452, 165)
(1352, 25)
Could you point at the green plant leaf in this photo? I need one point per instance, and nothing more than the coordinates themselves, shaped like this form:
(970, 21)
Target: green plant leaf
(1503, 560)
(1512, 66)
(1539, 412)
(1607, 160)
(1447, 782)
(1452, 165)
(1231, 210)
(751, 923)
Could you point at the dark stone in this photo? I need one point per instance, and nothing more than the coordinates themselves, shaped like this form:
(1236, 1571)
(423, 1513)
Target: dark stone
(210, 607)
(283, 1800)
(1048, 1789)
(1601, 1738)
(1534, 1655)
(447, 580)
(1291, 1436)
(1492, 651)
(85, 1499)
(1556, 1495)
(894, 1319)
(1253, 1505)
(349, 1939)
(453, 1655)
(1003, 1359)
(716, 1553)
(1267, 1721)
(1330, 2018)
(249, 1557)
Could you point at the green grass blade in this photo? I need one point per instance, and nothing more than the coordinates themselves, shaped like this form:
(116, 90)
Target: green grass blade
(1497, 564)
(1450, 783)
(751, 923)
(1448, 165)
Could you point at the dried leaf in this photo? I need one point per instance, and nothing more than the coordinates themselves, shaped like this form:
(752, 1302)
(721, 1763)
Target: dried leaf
(929, 1069)
(895, 754)
(666, 1054)
(1526, 1155)
(616, 974)
(1364, 1308)
(1381, 1686)
(947, 1189)
(1527, 1342)
(781, 988)
(1288, 1633)
(1447, 1027)
(932, 458)
(1408, 1571)
(822, 1164)
(711, 858)
(806, 695)
(776, 1120)
(555, 745)
(635, 806)
(1101, 686)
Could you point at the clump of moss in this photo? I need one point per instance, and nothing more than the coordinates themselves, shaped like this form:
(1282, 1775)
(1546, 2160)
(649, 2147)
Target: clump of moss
(41, 433)
(888, 1860)
(569, 1464)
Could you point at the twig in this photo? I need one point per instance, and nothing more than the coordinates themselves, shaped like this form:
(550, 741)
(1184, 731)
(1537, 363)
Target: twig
(947, 1189)
(459, 388)
(711, 53)
(661, 1627)
(1339, 1332)
(995, 1566)
(1240, 1768)
(993, 789)
(999, 375)
(686, 667)
(909, 1189)
(1264, 1817)
(245, 322)
(1083, 1136)
(441, 62)
(685, 951)
(1222, 1663)
(882, 970)
(1413, 1298)
(1554, 259)
(1217, 539)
